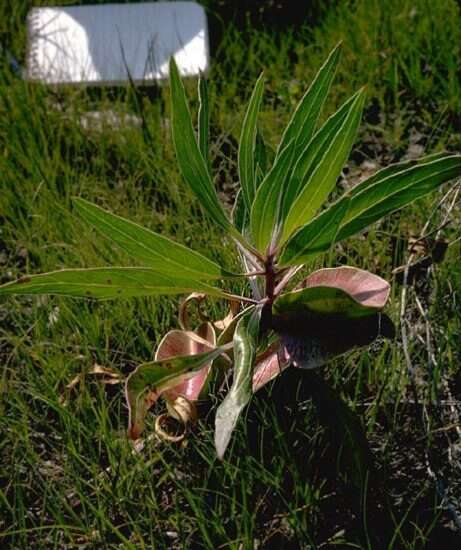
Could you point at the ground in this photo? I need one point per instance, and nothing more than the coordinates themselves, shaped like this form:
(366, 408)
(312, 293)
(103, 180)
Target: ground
(69, 477)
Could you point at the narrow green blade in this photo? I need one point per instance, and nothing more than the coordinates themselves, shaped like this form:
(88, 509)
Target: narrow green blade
(191, 162)
(107, 282)
(325, 175)
(152, 249)
(304, 120)
(159, 376)
(370, 202)
(261, 159)
(266, 206)
(245, 344)
(247, 146)
(203, 119)
(396, 168)
(312, 155)
(315, 237)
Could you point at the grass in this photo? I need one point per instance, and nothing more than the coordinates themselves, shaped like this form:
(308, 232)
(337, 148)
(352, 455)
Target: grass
(68, 476)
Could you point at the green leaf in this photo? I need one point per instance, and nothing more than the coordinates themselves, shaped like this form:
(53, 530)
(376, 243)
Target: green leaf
(396, 168)
(247, 146)
(191, 162)
(203, 118)
(156, 377)
(266, 206)
(342, 292)
(261, 159)
(240, 215)
(312, 155)
(245, 344)
(320, 301)
(304, 120)
(370, 202)
(323, 178)
(152, 249)
(107, 282)
(315, 237)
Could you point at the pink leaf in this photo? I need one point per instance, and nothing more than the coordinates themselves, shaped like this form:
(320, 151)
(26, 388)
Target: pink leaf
(177, 343)
(365, 288)
(269, 366)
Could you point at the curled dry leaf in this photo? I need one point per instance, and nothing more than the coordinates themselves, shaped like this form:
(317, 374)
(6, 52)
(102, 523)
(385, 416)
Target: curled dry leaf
(182, 380)
(195, 298)
(104, 374)
(177, 343)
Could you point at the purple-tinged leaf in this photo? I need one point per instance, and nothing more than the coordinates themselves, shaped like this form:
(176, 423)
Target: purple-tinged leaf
(345, 292)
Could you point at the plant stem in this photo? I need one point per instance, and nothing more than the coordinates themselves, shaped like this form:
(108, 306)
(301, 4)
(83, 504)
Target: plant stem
(266, 314)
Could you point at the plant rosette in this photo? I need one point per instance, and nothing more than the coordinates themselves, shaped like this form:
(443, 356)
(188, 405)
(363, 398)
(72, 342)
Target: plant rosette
(282, 220)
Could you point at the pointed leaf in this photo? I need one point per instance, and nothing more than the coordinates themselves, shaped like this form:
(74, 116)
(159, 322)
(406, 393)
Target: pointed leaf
(240, 217)
(246, 153)
(245, 342)
(266, 206)
(345, 292)
(151, 379)
(312, 154)
(304, 120)
(152, 249)
(324, 177)
(396, 168)
(261, 159)
(203, 119)
(370, 202)
(107, 282)
(315, 237)
(191, 163)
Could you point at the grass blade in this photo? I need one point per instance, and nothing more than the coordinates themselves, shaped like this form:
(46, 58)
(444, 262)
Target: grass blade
(152, 249)
(247, 146)
(325, 175)
(106, 283)
(370, 202)
(245, 342)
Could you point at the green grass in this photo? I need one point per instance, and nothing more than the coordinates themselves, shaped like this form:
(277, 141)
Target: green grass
(68, 475)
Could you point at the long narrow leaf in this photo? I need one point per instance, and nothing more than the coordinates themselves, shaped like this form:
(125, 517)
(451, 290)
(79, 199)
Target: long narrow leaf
(156, 377)
(315, 237)
(191, 162)
(203, 119)
(245, 343)
(369, 203)
(266, 206)
(304, 120)
(246, 153)
(261, 160)
(152, 249)
(107, 282)
(324, 177)
(312, 154)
